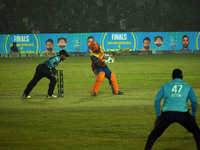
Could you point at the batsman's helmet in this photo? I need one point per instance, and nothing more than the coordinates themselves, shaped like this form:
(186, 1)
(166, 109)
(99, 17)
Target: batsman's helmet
(63, 52)
(177, 73)
(94, 46)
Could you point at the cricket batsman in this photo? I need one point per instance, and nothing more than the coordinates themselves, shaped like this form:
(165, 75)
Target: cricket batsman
(101, 70)
(46, 69)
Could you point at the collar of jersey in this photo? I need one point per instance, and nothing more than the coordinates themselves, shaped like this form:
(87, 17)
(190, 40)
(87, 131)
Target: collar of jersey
(177, 79)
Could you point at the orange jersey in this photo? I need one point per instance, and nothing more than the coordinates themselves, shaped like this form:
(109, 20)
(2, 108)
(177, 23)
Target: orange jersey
(147, 50)
(97, 57)
(48, 51)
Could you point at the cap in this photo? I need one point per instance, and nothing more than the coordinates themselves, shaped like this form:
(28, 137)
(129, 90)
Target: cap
(177, 73)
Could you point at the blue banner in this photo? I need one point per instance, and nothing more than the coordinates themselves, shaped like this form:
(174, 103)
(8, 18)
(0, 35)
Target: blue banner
(110, 41)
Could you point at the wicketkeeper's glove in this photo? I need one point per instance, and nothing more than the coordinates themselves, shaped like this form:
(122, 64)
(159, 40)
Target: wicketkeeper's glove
(54, 71)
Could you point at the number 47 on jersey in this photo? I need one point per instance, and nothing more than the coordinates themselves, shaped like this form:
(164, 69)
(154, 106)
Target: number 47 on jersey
(177, 88)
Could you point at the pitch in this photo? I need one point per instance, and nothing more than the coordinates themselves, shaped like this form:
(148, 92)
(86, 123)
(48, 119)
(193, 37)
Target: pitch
(80, 121)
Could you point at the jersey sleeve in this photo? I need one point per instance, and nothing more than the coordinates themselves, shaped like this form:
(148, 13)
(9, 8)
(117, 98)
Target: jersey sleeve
(193, 99)
(158, 98)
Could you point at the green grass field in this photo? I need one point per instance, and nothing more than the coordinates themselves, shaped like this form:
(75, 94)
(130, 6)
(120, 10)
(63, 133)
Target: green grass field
(80, 121)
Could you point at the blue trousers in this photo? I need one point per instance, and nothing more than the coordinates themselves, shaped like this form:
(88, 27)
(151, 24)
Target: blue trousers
(169, 117)
(103, 69)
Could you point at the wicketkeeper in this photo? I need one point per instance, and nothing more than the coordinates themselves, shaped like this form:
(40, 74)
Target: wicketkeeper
(46, 69)
(102, 70)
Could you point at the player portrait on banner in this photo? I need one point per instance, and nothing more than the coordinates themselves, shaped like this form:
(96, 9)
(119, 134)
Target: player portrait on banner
(146, 44)
(62, 42)
(158, 41)
(185, 42)
(49, 46)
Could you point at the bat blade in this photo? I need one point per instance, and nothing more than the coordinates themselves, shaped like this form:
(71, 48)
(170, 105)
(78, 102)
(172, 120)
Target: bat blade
(126, 49)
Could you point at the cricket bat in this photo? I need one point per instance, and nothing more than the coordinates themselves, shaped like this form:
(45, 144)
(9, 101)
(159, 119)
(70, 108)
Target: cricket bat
(126, 49)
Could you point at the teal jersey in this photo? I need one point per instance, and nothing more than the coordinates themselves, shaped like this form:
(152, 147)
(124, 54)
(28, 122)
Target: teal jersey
(52, 62)
(176, 94)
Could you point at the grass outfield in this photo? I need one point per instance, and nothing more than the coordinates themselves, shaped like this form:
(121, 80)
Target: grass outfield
(79, 121)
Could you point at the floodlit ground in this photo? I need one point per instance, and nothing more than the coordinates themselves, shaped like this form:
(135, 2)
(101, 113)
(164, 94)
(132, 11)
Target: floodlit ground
(80, 121)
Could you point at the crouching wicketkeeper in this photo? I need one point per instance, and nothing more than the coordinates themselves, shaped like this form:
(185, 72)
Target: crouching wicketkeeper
(46, 69)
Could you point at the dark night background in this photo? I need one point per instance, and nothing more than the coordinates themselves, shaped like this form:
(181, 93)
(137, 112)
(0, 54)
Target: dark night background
(80, 16)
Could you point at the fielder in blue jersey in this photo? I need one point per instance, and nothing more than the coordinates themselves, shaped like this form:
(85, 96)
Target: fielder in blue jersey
(176, 94)
(46, 69)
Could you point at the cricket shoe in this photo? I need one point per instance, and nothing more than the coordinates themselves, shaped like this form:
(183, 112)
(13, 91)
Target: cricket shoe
(24, 96)
(120, 93)
(94, 94)
(51, 97)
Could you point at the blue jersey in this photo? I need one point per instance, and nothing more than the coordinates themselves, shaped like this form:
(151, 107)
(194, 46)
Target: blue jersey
(52, 62)
(176, 94)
